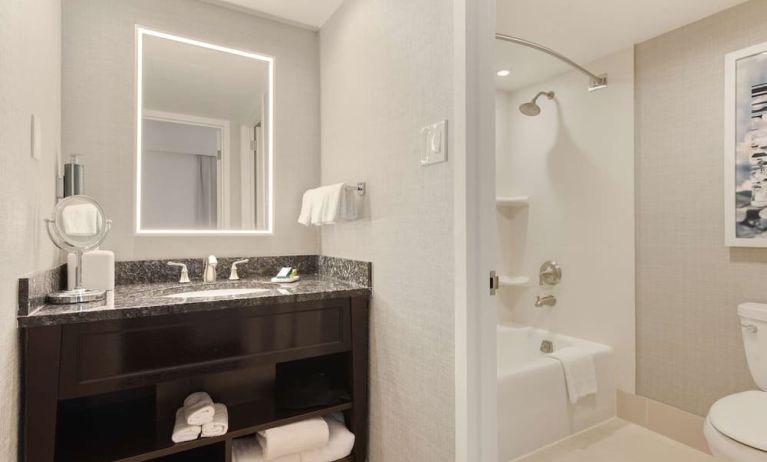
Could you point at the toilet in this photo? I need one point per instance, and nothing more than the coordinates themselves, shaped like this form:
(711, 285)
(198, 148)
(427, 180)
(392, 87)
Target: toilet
(736, 425)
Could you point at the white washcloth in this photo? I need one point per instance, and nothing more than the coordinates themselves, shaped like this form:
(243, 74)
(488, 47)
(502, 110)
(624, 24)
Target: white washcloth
(249, 450)
(339, 445)
(220, 424)
(81, 220)
(580, 373)
(182, 431)
(294, 438)
(198, 408)
(328, 205)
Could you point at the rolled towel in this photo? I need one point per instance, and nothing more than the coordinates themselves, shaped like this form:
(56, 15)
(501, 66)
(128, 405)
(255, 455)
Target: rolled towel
(249, 450)
(182, 431)
(220, 424)
(294, 438)
(198, 408)
(339, 445)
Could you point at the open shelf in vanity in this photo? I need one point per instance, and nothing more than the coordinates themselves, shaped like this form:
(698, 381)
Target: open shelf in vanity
(107, 390)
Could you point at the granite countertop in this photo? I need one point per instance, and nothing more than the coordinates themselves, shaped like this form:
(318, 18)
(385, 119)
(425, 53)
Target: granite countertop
(143, 300)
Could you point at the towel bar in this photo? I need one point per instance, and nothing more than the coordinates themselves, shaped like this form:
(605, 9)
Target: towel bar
(360, 188)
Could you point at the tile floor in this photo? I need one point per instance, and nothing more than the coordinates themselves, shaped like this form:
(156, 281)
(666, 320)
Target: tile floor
(618, 441)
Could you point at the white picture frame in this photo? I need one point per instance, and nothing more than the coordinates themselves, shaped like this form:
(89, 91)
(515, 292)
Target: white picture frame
(745, 172)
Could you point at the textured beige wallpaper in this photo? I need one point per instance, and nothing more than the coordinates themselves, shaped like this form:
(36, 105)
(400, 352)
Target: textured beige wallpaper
(99, 114)
(30, 83)
(386, 72)
(689, 349)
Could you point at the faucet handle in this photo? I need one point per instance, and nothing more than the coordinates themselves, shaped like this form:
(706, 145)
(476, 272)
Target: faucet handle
(233, 276)
(184, 271)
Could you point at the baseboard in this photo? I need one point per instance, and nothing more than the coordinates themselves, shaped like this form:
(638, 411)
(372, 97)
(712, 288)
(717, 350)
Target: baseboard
(663, 419)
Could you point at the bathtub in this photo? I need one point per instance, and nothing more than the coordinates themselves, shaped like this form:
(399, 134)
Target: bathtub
(533, 407)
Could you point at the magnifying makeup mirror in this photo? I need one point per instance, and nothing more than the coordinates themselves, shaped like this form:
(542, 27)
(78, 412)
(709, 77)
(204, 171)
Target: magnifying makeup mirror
(78, 225)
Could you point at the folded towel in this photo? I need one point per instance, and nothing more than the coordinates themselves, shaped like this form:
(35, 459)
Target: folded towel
(294, 438)
(249, 450)
(198, 408)
(220, 424)
(340, 444)
(182, 431)
(81, 220)
(580, 373)
(327, 205)
(309, 203)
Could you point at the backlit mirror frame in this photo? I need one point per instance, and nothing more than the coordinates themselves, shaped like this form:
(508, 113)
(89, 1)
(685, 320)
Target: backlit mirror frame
(141, 32)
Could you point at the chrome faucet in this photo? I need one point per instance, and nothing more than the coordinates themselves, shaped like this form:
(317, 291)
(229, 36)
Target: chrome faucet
(209, 271)
(548, 300)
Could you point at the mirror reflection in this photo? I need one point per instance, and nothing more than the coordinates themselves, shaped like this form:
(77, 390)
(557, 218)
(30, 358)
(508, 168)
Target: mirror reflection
(80, 222)
(205, 151)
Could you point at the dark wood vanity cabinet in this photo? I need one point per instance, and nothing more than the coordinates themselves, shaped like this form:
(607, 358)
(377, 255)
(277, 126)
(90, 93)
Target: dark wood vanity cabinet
(108, 390)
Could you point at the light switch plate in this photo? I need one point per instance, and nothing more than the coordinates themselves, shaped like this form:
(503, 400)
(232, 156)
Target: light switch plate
(37, 139)
(434, 143)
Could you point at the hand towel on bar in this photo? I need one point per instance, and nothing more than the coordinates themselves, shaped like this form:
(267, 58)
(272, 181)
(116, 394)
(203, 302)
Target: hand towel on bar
(198, 408)
(340, 444)
(309, 203)
(220, 424)
(182, 431)
(580, 373)
(294, 438)
(249, 450)
(328, 205)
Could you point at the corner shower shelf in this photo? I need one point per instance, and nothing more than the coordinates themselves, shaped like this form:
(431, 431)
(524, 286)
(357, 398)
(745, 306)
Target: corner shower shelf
(517, 281)
(512, 201)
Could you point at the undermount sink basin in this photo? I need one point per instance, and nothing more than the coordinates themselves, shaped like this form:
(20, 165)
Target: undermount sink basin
(216, 293)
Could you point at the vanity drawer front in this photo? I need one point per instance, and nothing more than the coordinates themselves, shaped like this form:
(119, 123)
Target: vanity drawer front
(112, 355)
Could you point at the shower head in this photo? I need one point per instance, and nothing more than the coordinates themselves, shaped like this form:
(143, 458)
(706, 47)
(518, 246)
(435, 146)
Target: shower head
(532, 109)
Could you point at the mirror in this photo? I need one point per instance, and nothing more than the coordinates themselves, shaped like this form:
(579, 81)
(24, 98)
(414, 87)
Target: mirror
(78, 225)
(80, 222)
(204, 138)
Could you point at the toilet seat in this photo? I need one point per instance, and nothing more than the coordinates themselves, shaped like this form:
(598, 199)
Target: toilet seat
(735, 427)
(742, 417)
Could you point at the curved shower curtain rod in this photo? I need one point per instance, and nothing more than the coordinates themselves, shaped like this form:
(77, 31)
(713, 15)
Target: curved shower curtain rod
(596, 82)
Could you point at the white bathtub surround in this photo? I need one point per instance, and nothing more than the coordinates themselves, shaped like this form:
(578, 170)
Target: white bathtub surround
(220, 423)
(580, 372)
(183, 431)
(198, 408)
(575, 164)
(294, 438)
(534, 409)
(617, 441)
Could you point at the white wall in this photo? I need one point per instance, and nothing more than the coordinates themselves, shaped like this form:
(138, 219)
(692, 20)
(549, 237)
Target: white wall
(99, 114)
(386, 72)
(30, 83)
(576, 162)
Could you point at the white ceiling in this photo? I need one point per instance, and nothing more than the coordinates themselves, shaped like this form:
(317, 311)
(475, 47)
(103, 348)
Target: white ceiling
(585, 30)
(311, 13)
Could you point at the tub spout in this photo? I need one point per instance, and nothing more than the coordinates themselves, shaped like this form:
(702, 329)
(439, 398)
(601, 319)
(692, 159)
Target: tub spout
(548, 300)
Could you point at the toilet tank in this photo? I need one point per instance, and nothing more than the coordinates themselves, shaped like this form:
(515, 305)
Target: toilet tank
(753, 328)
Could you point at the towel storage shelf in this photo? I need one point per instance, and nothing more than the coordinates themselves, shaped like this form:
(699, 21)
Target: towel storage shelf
(107, 390)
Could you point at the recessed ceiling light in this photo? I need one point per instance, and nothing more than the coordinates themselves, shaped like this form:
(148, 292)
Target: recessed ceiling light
(503, 73)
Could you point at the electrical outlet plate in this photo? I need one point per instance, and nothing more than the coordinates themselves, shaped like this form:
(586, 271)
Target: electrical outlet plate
(434, 143)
